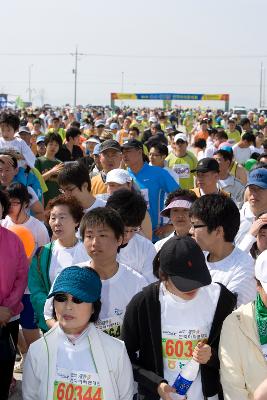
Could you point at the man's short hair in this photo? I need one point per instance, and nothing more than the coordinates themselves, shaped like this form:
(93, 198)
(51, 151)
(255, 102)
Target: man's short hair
(11, 120)
(216, 210)
(72, 133)
(76, 174)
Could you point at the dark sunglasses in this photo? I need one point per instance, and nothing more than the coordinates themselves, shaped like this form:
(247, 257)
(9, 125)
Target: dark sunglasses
(61, 298)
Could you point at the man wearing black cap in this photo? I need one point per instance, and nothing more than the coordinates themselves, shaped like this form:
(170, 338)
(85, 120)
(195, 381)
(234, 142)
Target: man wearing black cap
(207, 176)
(110, 158)
(169, 322)
(154, 182)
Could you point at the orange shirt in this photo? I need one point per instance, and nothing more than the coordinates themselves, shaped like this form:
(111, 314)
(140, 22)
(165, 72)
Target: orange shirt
(97, 185)
(201, 135)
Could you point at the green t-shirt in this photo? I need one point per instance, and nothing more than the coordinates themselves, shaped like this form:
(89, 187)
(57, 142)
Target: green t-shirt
(233, 136)
(183, 166)
(43, 165)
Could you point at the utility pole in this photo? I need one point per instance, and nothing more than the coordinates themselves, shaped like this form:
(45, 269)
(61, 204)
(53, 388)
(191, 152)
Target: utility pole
(122, 85)
(75, 72)
(261, 79)
(30, 78)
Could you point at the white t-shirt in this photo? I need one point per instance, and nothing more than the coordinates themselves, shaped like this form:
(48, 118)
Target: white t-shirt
(21, 147)
(139, 255)
(236, 272)
(63, 257)
(241, 154)
(158, 245)
(98, 203)
(116, 293)
(246, 220)
(184, 323)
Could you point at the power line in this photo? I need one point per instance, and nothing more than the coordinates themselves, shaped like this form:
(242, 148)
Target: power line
(152, 56)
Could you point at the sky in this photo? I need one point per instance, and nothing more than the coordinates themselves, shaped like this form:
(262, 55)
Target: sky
(150, 46)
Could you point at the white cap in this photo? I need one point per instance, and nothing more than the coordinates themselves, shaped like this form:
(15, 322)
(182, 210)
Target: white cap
(92, 140)
(181, 136)
(153, 119)
(261, 269)
(119, 176)
(99, 122)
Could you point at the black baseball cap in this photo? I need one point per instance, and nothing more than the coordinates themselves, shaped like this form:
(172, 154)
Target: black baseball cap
(183, 261)
(207, 164)
(109, 144)
(132, 144)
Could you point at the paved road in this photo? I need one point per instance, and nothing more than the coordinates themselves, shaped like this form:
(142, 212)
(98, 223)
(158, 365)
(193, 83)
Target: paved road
(17, 395)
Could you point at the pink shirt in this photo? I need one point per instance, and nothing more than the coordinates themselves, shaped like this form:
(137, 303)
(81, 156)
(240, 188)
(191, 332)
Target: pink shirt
(13, 271)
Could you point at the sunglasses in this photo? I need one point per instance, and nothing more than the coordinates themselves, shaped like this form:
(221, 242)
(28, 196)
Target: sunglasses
(61, 298)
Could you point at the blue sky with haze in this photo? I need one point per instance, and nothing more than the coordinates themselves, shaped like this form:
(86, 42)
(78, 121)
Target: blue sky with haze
(177, 46)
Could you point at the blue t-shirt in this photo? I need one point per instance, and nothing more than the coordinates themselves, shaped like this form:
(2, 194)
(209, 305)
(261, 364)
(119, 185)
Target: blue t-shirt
(154, 183)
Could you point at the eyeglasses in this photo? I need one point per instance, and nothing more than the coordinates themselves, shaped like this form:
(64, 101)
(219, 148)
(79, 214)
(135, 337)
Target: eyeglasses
(133, 230)
(62, 298)
(67, 190)
(197, 226)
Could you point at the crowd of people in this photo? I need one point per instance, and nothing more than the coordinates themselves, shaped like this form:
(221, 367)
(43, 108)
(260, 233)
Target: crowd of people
(148, 256)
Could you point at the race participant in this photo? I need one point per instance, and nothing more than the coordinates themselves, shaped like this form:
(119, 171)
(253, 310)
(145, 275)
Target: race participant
(65, 250)
(75, 358)
(182, 161)
(255, 205)
(8, 174)
(232, 133)
(153, 182)
(207, 176)
(70, 151)
(203, 133)
(9, 144)
(102, 233)
(215, 221)
(110, 157)
(219, 138)
(157, 156)
(18, 215)
(40, 146)
(49, 166)
(243, 338)
(75, 181)
(56, 128)
(242, 150)
(121, 179)
(137, 251)
(227, 182)
(177, 205)
(122, 135)
(174, 320)
(13, 281)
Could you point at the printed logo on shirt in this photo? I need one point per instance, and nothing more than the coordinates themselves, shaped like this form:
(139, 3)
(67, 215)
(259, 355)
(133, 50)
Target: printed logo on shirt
(183, 170)
(111, 326)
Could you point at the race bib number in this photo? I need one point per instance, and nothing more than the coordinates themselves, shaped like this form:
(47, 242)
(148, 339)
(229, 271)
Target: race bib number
(178, 346)
(183, 170)
(144, 193)
(69, 391)
(111, 326)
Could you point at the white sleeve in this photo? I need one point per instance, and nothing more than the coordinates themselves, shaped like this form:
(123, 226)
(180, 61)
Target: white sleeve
(28, 154)
(147, 270)
(34, 198)
(48, 309)
(247, 242)
(244, 284)
(42, 236)
(30, 382)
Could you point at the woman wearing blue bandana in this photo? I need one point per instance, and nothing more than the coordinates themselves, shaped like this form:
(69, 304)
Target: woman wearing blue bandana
(75, 360)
